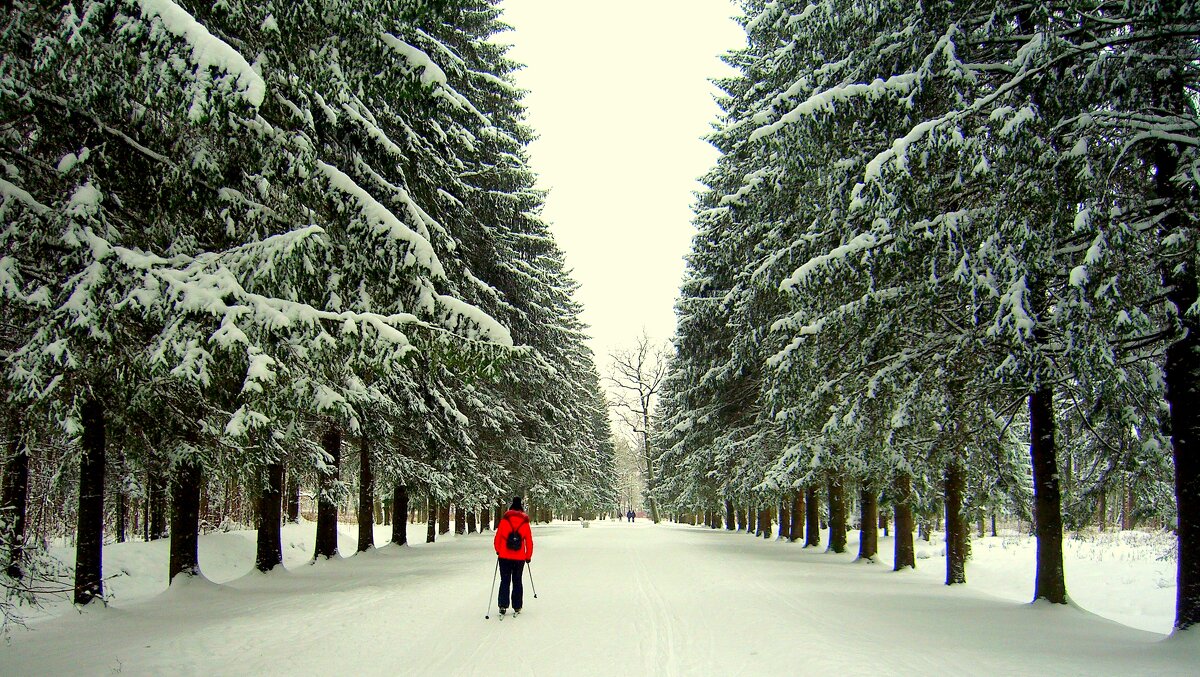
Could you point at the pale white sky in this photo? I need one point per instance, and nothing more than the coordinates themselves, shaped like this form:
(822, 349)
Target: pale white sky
(620, 98)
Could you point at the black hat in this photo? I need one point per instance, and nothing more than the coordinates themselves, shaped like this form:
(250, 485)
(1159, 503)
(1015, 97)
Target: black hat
(516, 504)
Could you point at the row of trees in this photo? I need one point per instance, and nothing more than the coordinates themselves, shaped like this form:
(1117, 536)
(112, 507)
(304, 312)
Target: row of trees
(240, 236)
(939, 235)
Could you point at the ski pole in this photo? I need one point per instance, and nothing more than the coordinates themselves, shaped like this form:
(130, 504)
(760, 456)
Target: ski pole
(531, 584)
(488, 612)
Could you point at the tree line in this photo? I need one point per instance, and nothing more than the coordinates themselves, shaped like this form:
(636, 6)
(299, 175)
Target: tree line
(947, 260)
(247, 245)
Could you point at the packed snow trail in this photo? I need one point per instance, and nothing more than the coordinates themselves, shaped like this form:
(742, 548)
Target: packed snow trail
(613, 599)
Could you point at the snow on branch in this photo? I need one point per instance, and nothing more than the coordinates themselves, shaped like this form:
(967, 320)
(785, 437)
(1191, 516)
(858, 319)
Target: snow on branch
(860, 242)
(826, 99)
(491, 330)
(430, 74)
(208, 51)
(384, 221)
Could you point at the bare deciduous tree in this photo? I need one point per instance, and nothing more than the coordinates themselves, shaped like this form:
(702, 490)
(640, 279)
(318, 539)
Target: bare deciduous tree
(636, 375)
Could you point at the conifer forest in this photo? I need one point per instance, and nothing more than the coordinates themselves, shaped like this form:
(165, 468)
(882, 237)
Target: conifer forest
(946, 267)
(265, 257)
(276, 261)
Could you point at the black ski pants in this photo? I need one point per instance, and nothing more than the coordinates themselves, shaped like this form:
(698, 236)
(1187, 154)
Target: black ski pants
(510, 572)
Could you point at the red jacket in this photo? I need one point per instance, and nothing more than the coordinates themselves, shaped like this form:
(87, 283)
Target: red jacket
(514, 519)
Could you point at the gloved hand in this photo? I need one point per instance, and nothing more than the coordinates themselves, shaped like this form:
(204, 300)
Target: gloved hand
(529, 560)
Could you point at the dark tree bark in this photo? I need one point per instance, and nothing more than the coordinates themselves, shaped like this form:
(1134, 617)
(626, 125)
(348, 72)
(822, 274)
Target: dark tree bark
(366, 494)
(270, 509)
(400, 515)
(122, 516)
(327, 509)
(185, 520)
(431, 521)
(485, 519)
(905, 553)
(157, 505)
(293, 500)
(730, 517)
(812, 517)
(752, 516)
(741, 519)
(1050, 583)
(956, 524)
(460, 520)
(89, 544)
(785, 519)
(15, 500)
(444, 518)
(837, 515)
(764, 522)
(796, 526)
(1182, 367)
(868, 540)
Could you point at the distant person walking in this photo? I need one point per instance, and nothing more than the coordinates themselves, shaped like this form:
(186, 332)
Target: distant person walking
(630, 515)
(514, 548)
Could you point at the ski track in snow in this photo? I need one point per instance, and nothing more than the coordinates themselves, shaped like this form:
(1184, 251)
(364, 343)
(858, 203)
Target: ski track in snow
(614, 599)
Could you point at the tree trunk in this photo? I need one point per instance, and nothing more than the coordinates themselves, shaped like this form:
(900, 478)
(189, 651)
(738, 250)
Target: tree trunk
(485, 516)
(752, 516)
(796, 525)
(443, 518)
(812, 517)
(905, 553)
(293, 500)
(1127, 506)
(1049, 583)
(868, 540)
(400, 515)
(460, 520)
(730, 516)
(956, 523)
(327, 499)
(270, 508)
(741, 520)
(785, 519)
(837, 515)
(764, 522)
(1183, 383)
(89, 543)
(185, 520)
(122, 517)
(431, 521)
(158, 503)
(366, 493)
(1182, 367)
(14, 503)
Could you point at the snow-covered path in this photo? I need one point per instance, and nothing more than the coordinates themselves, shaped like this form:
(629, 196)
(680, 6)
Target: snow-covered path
(613, 599)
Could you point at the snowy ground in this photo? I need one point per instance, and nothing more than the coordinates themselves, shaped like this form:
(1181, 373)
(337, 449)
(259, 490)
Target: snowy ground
(617, 599)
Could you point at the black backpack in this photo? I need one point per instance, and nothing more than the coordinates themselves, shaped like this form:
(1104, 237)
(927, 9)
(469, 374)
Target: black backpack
(514, 541)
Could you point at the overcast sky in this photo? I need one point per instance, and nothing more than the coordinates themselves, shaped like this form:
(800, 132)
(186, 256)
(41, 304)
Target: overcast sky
(620, 98)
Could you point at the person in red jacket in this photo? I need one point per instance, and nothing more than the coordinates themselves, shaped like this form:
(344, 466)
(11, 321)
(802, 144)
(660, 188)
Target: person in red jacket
(514, 524)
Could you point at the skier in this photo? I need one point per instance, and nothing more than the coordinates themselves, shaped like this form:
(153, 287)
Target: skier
(514, 548)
